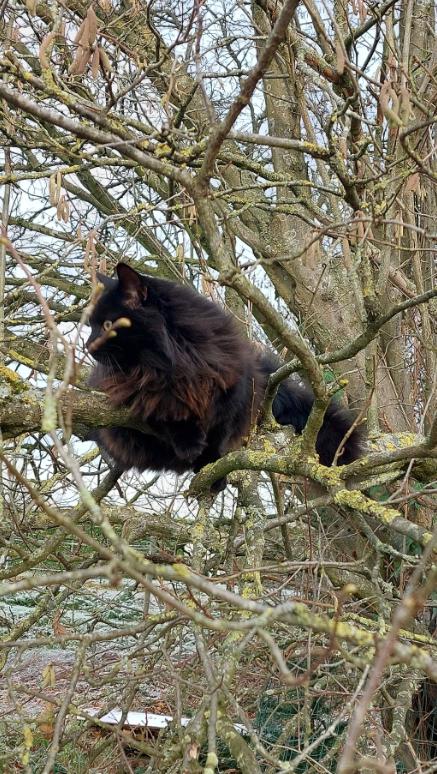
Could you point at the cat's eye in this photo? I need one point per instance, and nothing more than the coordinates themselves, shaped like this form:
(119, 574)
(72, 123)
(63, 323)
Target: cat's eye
(107, 325)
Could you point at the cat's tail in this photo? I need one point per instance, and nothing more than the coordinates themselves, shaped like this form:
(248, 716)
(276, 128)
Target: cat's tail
(292, 406)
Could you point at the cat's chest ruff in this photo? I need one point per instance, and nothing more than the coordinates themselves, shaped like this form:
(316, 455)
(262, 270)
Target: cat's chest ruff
(163, 397)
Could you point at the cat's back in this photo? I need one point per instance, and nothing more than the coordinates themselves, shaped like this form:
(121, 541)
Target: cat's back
(182, 302)
(197, 319)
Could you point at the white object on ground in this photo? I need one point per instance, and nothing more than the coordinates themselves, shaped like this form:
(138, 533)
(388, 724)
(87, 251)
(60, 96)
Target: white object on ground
(144, 719)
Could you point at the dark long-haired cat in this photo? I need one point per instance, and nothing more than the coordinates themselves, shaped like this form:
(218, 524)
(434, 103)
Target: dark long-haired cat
(178, 361)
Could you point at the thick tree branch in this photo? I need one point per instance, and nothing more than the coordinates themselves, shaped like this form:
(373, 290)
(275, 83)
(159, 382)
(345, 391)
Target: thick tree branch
(221, 131)
(22, 410)
(372, 329)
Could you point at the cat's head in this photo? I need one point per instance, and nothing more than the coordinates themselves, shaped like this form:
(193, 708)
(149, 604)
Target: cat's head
(127, 327)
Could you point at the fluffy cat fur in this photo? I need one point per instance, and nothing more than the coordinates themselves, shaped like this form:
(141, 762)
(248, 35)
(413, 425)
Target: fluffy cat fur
(181, 365)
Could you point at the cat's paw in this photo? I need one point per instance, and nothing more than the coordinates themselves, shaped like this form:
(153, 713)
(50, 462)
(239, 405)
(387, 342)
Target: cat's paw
(188, 452)
(219, 485)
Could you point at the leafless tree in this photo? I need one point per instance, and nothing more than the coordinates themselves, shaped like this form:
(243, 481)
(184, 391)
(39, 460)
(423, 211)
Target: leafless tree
(279, 157)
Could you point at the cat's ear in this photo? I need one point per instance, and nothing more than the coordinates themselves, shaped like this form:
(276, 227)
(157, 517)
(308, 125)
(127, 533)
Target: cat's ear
(132, 285)
(107, 282)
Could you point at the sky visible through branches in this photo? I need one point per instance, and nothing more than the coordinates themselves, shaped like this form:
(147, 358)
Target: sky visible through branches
(278, 157)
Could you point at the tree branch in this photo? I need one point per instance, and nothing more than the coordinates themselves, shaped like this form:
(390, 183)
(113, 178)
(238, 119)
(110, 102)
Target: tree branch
(96, 136)
(21, 410)
(221, 131)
